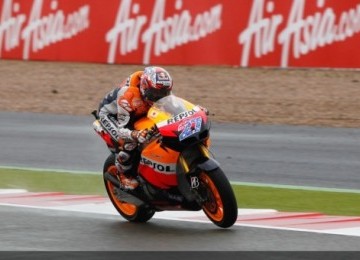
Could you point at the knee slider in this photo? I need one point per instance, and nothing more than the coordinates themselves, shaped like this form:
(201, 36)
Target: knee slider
(130, 146)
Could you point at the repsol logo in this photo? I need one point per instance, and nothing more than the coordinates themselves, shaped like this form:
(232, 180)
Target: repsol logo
(180, 116)
(109, 127)
(164, 168)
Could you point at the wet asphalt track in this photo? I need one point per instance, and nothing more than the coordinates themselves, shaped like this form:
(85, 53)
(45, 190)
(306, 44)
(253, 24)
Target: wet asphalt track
(271, 154)
(323, 157)
(38, 230)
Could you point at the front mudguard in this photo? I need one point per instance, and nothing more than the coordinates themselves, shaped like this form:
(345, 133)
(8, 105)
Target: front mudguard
(192, 161)
(209, 165)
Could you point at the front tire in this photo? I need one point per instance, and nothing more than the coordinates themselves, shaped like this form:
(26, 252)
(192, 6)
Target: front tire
(220, 205)
(128, 211)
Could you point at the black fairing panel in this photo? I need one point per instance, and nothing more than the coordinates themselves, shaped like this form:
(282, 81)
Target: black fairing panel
(195, 161)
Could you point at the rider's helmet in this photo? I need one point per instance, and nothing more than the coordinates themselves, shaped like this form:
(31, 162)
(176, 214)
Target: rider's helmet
(155, 83)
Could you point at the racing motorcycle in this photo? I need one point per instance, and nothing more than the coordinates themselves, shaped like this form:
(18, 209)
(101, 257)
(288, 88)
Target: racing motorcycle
(176, 170)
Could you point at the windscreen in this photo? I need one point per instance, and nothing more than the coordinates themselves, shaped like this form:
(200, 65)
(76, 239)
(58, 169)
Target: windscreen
(168, 107)
(172, 105)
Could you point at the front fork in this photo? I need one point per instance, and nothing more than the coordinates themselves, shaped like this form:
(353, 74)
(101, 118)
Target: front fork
(191, 162)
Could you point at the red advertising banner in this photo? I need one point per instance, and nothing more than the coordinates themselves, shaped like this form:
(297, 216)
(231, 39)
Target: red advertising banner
(247, 33)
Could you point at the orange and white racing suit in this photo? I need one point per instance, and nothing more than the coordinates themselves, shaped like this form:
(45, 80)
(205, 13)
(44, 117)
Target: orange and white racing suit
(118, 112)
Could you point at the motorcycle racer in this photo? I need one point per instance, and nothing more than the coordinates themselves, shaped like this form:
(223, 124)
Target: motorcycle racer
(125, 104)
(175, 170)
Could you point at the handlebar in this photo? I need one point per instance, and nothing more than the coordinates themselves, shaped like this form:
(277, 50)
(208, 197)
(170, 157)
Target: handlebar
(152, 132)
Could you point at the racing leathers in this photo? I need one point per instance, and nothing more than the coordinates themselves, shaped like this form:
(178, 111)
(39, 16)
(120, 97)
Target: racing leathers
(118, 112)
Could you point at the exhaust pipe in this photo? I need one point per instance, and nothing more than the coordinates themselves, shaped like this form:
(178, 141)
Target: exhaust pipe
(121, 194)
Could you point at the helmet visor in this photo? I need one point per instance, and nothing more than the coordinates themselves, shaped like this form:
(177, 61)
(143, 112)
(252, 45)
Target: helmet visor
(155, 94)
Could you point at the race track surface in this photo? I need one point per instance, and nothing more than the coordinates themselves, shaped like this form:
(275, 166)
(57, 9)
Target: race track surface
(43, 230)
(310, 156)
(321, 157)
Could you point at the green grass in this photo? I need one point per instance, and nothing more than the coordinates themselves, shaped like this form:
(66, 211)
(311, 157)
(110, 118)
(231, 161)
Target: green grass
(294, 200)
(52, 181)
(332, 203)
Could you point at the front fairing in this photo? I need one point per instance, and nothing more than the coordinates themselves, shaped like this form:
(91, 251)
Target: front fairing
(179, 122)
(179, 125)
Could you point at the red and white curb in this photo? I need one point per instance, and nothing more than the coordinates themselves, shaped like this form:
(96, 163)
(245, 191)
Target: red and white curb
(260, 218)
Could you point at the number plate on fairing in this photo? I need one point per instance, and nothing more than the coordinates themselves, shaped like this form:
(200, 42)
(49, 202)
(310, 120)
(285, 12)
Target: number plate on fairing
(189, 127)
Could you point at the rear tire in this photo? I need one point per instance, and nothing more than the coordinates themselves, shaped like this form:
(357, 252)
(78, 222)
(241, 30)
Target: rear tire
(220, 206)
(128, 211)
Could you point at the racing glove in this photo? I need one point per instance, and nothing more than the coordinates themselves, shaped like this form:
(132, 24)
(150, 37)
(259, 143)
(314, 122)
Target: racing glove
(139, 136)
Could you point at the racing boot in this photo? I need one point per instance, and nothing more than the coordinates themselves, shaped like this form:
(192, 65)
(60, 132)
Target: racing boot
(127, 181)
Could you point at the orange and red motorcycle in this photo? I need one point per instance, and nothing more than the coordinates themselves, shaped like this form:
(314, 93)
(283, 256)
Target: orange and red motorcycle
(176, 170)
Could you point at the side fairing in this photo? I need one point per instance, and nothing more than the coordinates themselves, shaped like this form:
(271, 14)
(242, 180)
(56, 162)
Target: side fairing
(158, 165)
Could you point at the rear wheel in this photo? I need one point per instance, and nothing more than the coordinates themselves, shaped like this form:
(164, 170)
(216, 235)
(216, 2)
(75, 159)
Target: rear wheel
(128, 211)
(220, 205)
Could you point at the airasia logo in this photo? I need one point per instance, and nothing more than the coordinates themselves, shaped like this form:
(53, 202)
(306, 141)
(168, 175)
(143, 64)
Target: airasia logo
(163, 33)
(142, 31)
(301, 35)
(38, 31)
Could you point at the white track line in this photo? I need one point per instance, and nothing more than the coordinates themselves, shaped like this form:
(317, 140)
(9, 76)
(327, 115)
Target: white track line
(105, 207)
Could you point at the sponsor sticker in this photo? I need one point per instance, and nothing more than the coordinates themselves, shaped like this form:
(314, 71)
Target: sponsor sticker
(181, 116)
(166, 168)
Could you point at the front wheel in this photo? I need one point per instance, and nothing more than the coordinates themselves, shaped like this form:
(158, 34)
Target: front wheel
(129, 211)
(220, 204)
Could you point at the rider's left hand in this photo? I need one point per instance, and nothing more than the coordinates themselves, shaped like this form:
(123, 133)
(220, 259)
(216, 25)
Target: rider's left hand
(140, 136)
